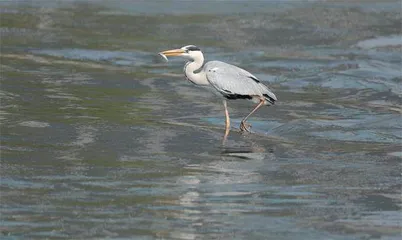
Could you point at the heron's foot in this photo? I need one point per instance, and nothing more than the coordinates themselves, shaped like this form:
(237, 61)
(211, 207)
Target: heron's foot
(245, 127)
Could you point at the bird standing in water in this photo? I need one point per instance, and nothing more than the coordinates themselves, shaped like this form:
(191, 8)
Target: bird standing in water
(230, 81)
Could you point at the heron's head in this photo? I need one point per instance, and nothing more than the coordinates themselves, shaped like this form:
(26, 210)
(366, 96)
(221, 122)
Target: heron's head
(190, 52)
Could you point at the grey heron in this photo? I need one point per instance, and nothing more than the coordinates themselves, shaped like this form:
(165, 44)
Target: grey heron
(230, 81)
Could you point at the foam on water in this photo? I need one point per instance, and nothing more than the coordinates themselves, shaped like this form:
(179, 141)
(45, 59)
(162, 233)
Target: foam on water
(34, 124)
(383, 41)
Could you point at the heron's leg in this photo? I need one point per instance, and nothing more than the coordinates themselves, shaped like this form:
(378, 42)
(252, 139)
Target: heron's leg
(227, 121)
(243, 125)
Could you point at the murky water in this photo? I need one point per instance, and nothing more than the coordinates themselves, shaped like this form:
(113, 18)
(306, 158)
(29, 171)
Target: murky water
(102, 139)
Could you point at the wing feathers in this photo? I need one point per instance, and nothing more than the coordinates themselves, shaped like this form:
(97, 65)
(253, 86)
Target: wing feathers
(255, 79)
(233, 82)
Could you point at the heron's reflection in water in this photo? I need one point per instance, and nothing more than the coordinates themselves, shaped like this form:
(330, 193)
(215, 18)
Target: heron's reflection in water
(220, 188)
(251, 151)
(243, 152)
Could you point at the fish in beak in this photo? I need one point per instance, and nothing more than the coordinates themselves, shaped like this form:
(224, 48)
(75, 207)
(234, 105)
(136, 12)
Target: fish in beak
(171, 53)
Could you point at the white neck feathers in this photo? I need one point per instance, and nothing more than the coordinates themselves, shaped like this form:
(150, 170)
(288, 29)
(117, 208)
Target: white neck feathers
(198, 78)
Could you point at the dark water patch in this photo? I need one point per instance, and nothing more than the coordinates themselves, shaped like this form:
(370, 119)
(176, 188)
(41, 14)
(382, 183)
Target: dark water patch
(322, 24)
(358, 135)
(369, 128)
(195, 8)
(386, 204)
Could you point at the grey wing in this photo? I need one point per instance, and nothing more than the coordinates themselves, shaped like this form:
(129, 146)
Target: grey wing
(233, 82)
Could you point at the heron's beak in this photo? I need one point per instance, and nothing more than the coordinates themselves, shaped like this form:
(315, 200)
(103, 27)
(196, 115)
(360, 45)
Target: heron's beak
(173, 52)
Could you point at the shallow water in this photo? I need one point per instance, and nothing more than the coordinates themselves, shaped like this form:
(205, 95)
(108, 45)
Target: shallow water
(100, 138)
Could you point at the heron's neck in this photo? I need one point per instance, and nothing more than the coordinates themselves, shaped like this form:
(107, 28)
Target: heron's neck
(198, 78)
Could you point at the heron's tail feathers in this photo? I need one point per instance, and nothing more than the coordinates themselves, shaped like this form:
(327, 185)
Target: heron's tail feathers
(269, 95)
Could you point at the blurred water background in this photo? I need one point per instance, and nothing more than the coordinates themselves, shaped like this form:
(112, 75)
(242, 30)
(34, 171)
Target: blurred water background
(101, 139)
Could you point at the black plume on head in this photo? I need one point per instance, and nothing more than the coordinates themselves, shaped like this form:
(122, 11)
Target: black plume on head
(193, 48)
